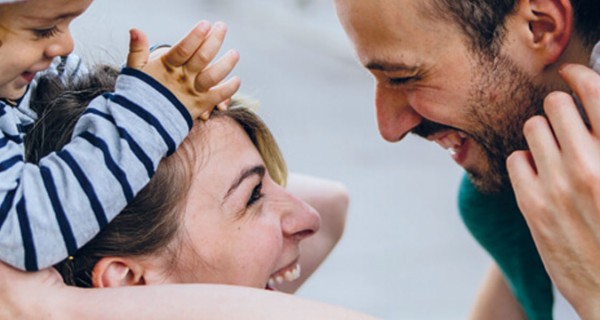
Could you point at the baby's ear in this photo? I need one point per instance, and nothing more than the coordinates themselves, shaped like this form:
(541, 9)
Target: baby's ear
(112, 272)
(550, 25)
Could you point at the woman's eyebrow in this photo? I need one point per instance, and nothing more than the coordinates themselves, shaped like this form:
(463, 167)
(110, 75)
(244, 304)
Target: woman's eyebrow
(258, 170)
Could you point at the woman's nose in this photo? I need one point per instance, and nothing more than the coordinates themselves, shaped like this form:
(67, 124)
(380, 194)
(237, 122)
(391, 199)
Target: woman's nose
(299, 220)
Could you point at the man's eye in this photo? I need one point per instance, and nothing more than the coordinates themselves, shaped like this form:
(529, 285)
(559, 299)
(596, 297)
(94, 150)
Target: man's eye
(256, 195)
(401, 81)
(46, 33)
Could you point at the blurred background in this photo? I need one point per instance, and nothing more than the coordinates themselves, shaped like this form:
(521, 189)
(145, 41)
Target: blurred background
(405, 253)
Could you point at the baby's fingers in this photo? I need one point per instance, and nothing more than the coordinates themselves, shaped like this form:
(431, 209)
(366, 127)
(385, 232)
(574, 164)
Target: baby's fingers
(209, 49)
(216, 96)
(185, 49)
(224, 105)
(138, 49)
(217, 72)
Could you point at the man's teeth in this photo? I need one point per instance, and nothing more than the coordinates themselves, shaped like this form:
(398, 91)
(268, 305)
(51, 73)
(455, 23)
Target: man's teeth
(289, 275)
(452, 141)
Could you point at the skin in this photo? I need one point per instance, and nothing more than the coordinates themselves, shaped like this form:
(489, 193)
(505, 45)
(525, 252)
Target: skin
(34, 32)
(31, 34)
(331, 200)
(55, 300)
(562, 168)
(42, 295)
(493, 287)
(429, 82)
(38, 31)
(238, 232)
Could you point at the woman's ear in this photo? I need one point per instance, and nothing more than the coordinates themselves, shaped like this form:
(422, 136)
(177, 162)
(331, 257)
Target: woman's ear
(550, 26)
(117, 272)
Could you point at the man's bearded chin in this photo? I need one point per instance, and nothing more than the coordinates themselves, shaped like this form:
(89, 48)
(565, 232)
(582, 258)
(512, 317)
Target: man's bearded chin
(491, 176)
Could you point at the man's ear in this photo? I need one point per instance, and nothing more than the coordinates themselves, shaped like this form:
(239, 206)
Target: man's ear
(117, 272)
(550, 27)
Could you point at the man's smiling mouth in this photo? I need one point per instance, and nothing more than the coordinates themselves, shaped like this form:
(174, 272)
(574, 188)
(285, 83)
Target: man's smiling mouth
(450, 140)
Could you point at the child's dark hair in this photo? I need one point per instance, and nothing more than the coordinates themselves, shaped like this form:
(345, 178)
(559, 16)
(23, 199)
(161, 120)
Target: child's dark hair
(59, 103)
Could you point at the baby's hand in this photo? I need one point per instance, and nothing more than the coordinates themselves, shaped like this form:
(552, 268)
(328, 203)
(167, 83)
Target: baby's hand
(185, 68)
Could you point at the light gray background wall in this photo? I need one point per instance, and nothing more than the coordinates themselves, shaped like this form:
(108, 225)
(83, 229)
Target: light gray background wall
(405, 254)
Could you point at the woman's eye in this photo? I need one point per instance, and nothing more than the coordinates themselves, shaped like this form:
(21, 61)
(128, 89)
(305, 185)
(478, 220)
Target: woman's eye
(46, 33)
(256, 195)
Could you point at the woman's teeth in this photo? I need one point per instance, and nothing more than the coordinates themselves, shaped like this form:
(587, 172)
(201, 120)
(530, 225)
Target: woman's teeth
(288, 275)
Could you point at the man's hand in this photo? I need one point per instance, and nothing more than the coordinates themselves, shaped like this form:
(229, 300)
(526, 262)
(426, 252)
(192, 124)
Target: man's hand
(557, 185)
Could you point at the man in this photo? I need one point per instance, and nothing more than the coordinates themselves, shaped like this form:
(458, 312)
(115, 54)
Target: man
(468, 75)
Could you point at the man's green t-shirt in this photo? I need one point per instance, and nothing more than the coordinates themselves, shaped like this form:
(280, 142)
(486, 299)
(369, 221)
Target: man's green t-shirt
(498, 225)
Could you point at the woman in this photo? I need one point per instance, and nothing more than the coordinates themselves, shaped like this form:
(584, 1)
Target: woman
(215, 211)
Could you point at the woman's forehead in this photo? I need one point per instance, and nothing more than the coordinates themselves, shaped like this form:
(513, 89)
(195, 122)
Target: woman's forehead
(222, 141)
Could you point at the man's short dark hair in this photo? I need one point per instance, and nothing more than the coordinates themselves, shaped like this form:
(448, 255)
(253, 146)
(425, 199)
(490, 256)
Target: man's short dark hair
(483, 21)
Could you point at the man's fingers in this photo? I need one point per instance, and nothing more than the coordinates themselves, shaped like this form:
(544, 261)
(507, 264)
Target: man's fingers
(208, 50)
(217, 72)
(567, 124)
(138, 49)
(542, 144)
(585, 82)
(523, 177)
(185, 49)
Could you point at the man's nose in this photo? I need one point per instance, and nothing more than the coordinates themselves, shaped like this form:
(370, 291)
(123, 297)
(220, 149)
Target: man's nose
(395, 117)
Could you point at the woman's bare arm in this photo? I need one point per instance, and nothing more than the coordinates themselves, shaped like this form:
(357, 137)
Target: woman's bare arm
(42, 295)
(331, 200)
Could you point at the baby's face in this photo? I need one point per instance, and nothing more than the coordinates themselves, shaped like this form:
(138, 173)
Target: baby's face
(32, 34)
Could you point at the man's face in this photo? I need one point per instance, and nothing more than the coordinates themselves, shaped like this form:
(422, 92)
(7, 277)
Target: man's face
(429, 82)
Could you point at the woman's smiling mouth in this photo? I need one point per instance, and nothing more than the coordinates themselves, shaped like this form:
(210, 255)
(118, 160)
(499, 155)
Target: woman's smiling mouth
(288, 274)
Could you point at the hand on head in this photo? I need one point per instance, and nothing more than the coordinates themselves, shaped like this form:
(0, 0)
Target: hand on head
(557, 184)
(186, 69)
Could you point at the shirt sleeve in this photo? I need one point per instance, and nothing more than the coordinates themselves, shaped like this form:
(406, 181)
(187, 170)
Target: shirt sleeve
(49, 210)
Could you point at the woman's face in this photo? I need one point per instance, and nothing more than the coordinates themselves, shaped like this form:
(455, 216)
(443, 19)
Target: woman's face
(238, 225)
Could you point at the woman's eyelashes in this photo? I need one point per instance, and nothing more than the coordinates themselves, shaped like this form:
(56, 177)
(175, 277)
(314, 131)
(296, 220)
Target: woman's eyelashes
(255, 195)
(46, 33)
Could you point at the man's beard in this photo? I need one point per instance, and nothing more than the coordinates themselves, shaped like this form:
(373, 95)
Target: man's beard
(502, 97)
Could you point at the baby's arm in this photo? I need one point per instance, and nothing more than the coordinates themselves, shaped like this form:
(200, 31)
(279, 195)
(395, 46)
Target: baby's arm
(49, 210)
(331, 200)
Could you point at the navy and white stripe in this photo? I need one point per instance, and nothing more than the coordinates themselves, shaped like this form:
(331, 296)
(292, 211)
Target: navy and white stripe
(49, 210)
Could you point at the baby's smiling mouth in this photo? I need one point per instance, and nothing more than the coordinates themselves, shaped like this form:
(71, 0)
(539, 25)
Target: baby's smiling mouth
(288, 274)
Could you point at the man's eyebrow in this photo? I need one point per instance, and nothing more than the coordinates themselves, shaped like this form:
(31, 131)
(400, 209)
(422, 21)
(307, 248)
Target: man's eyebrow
(389, 67)
(258, 170)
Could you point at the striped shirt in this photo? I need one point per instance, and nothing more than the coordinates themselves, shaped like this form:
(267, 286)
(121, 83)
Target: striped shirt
(49, 210)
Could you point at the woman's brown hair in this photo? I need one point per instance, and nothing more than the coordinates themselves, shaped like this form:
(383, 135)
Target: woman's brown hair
(150, 223)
